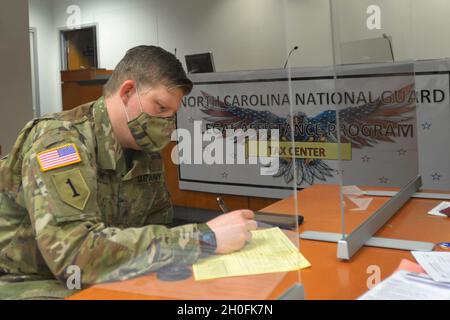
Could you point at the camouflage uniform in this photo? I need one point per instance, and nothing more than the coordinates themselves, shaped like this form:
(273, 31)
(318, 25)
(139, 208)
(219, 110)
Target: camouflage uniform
(112, 229)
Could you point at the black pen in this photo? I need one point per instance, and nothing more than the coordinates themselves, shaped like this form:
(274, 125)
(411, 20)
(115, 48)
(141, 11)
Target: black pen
(224, 209)
(222, 205)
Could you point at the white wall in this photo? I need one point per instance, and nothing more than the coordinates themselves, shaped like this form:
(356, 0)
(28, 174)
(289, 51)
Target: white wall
(419, 28)
(308, 26)
(233, 30)
(41, 18)
(246, 34)
(432, 28)
(396, 21)
(242, 34)
(15, 77)
(121, 24)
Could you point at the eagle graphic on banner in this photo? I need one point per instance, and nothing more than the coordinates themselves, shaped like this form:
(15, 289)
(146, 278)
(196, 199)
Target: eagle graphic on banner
(388, 112)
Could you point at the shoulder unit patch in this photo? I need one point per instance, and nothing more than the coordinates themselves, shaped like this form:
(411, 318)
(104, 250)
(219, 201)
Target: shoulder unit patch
(58, 157)
(72, 188)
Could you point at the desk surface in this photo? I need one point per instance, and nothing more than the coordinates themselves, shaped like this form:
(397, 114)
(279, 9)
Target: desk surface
(328, 278)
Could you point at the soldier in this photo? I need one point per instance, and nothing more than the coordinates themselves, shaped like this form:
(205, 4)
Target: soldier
(86, 188)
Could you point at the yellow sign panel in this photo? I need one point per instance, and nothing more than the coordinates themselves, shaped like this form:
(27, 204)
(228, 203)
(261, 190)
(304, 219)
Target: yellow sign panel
(304, 150)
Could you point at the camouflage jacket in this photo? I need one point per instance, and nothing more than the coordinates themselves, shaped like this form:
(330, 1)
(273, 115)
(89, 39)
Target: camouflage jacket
(95, 213)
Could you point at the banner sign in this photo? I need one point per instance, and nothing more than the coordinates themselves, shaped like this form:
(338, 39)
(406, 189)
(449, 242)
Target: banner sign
(381, 126)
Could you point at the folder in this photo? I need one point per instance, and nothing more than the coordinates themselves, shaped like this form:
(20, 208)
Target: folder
(284, 221)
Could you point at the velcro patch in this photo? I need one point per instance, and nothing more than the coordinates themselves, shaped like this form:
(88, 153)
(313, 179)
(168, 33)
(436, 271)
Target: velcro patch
(58, 157)
(72, 188)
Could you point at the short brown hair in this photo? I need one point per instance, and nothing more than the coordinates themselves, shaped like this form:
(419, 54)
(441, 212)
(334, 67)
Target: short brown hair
(148, 66)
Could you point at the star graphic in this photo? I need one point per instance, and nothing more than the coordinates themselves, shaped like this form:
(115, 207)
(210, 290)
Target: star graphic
(401, 152)
(383, 180)
(426, 126)
(224, 175)
(365, 159)
(436, 176)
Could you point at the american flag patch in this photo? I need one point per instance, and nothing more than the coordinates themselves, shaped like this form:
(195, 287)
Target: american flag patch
(58, 157)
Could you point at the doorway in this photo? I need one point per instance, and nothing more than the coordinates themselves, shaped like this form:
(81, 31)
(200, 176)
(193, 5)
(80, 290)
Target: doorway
(79, 49)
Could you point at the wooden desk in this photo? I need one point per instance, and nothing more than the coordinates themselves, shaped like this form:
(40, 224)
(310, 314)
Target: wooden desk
(82, 86)
(328, 278)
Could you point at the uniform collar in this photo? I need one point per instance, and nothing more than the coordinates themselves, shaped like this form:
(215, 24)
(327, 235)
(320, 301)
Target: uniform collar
(109, 151)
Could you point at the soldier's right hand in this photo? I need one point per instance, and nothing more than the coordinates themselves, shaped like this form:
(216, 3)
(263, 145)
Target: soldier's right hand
(232, 230)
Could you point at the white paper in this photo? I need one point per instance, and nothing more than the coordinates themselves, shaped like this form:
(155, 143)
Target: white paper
(441, 206)
(436, 264)
(354, 194)
(403, 285)
(352, 190)
(362, 203)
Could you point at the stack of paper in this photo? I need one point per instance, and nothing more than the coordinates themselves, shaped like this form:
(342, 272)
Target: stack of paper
(436, 264)
(407, 285)
(270, 250)
(404, 285)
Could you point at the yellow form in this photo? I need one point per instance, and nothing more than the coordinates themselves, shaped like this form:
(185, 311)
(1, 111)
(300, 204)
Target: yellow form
(270, 250)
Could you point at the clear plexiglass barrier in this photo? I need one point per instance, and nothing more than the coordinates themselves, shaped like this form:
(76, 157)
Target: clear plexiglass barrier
(328, 119)
(391, 122)
(235, 139)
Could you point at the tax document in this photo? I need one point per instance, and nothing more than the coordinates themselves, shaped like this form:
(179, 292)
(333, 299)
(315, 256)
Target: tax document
(270, 250)
(436, 264)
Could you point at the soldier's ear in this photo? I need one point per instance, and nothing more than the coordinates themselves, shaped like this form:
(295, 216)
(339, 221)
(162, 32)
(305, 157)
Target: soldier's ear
(126, 90)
